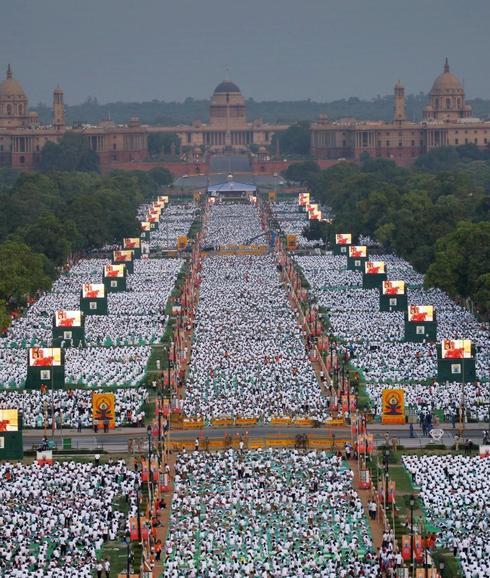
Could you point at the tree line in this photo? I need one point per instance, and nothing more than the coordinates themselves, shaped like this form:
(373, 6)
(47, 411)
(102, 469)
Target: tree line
(160, 112)
(434, 214)
(49, 218)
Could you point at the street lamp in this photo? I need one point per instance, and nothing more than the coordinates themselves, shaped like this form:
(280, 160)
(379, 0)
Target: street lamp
(412, 561)
(387, 475)
(127, 541)
(441, 567)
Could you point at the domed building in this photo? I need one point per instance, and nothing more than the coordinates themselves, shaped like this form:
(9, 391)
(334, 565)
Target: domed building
(227, 106)
(447, 121)
(227, 128)
(13, 104)
(446, 98)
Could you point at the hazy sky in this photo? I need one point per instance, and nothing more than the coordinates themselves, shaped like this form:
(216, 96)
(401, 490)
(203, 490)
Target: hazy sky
(275, 49)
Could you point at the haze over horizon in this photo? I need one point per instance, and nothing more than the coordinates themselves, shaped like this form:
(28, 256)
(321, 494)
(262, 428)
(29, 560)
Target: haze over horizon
(123, 50)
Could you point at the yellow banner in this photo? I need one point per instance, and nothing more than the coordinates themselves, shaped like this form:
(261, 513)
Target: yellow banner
(291, 242)
(181, 242)
(104, 408)
(393, 406)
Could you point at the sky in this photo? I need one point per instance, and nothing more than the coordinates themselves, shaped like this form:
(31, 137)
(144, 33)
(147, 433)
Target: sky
(135, 50)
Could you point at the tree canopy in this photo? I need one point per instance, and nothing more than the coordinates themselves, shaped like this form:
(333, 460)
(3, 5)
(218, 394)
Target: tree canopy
(72, 153)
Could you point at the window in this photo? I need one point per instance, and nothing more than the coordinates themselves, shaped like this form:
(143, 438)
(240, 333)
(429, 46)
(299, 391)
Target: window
(456, 141)
(22, 159)
(448, 103)
(413, 143)
(387, 144)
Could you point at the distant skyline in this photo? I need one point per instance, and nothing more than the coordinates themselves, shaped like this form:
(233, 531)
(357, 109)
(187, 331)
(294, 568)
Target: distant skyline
(140, 50)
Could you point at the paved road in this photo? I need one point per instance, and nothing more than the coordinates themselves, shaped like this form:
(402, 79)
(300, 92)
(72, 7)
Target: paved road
(117, 441)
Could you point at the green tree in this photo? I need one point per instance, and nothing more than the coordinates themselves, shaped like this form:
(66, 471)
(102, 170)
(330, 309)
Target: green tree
(161, 176)
(22, 273)
(295, 140)
(72, 153)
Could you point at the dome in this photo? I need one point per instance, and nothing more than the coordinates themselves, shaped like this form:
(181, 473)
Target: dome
(446, 81)
(10, 87)
(226, 86)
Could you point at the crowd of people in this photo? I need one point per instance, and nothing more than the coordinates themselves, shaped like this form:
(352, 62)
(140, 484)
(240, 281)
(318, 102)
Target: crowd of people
(455, 491)
(248, 357)
(232, 224)
(293, 221)
(290, 513)
(54, 521)
(176, 222)
(376, 339)
(73, 408)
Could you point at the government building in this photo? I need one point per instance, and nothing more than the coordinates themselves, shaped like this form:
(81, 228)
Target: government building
(447, 121)
(22, 137)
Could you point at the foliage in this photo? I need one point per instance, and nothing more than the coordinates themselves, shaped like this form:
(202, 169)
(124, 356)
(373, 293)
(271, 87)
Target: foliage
(305, 172)
(174, 113)
(436, 217)
(46, 218)
(72, 153)
(161, 176)
(162, 143)
(295, 140)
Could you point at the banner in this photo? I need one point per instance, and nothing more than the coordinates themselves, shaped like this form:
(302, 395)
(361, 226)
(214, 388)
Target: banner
(182, 242)
(115, 271)
(393, 406)
(343, 239)
(131, 243)
(418, 548)
(64, 318)
(145, 472)
(484, 450)
(374, 267)
(104, 408)
(9, 420)
(456, 349)
(44, 458)
(393, 288)
(93, 291)
(125, 256)
(406, 547)
(44, 356)
(291, 242)
(358, 251)
(420, 313)
(303, 199)
(145, 226)
(365, 442)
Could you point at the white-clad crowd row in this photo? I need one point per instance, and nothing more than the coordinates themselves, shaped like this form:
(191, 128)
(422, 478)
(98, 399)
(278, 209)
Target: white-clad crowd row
(376, 339)
(55, 520)
(293, 221)
(455, 491)
(285, 513)
(72, 408)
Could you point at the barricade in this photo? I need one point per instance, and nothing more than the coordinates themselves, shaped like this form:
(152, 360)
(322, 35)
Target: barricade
(192, 423)
(279, 443)
(246, 421)
(280, 421)
(303, 421)
(225, 421)
(335, 422)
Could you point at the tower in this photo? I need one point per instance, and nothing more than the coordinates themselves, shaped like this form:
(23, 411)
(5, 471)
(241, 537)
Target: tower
(58, 109)
(399, 109)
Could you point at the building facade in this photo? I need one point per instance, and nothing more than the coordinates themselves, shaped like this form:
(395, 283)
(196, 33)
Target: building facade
(447, 121)
(22, 137)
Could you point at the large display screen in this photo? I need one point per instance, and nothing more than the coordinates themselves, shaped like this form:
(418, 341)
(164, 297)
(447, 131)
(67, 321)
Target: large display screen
(343, 239)
(374, 267)
(421, 313)
(9, 420)
(93, 290)
(44, 356)
(114, 271)
(125, 256)
(456, 349)
(64, 318)
(131, 243)
(304, 199)
(393, 288)
(357, 251)
(145, 226)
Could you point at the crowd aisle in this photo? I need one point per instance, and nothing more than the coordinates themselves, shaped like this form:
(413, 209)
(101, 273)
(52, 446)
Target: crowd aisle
(456, 494)
(55, 520)
(287, 513)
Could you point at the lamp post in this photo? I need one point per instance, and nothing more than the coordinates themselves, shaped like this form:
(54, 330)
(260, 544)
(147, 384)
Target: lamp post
(387, 475)
(412, 559)
(441, 567)
(127, 541)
